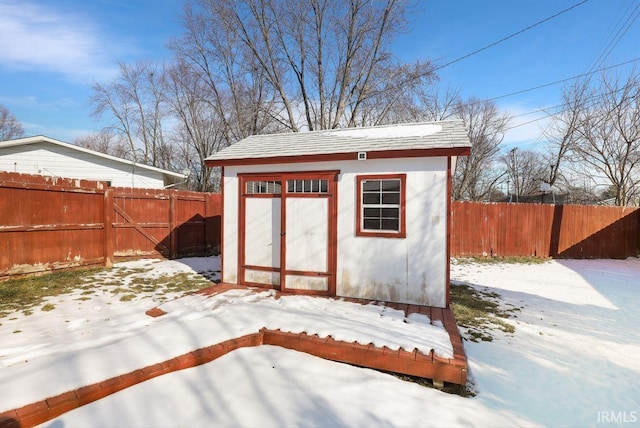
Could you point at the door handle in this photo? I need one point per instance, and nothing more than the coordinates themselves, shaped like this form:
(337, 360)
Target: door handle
(283, 233)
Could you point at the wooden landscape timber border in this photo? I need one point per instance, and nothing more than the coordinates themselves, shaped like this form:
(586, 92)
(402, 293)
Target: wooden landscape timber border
(51, 223)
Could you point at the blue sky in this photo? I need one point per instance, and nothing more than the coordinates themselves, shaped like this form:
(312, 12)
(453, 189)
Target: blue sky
(52, 52)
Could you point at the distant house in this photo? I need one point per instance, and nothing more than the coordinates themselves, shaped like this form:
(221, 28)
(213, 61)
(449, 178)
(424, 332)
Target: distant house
(357, 212)
(47, 156)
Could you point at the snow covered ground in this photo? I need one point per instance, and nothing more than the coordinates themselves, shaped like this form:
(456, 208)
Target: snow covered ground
(574, 359)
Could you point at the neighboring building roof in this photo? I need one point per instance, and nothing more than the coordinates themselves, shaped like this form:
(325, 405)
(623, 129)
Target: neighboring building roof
(443, 138)
(42, 139)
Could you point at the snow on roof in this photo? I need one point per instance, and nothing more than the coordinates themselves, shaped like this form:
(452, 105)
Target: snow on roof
(404, 137)
(42, 139)
(417, 130)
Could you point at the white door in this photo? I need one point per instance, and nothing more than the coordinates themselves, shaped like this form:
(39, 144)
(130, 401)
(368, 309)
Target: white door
(288, 230)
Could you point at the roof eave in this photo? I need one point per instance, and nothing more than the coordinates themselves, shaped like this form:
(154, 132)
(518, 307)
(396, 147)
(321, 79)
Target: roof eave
(44, 139)
(347, 156)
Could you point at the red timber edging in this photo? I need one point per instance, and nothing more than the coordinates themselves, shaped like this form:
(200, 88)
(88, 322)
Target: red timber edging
(415, 363)
(52, 407)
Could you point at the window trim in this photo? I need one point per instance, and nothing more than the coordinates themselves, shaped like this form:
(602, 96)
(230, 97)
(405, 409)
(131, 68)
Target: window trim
(360, 231)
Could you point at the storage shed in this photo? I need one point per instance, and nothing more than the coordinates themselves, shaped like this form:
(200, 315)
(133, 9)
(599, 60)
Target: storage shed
(356, 212)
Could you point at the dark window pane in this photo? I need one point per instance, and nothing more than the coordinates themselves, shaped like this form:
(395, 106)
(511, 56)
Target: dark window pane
(390, 224)
(390, 213)
(324, 186)
(290, 186)
(391, 198)
(372, 212)
(393, 185)
(372, 224)
(370, 185)
(315, 186)
(371, 198)
(307, 186)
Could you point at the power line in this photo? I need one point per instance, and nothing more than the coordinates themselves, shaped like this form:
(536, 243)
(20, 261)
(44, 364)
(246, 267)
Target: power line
(510, 36)
(551, 108)
(610, 30)
(561, 81)
(613, 42)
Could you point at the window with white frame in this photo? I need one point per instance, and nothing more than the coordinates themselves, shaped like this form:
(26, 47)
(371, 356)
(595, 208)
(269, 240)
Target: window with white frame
(381, 200)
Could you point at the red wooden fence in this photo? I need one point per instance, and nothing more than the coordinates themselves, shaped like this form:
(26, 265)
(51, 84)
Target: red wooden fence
(540, 230)
(51, 223)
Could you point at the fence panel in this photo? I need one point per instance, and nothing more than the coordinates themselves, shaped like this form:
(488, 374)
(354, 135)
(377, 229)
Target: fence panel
(48, 223)
(141, 224)
(167, 223)
(541, 230)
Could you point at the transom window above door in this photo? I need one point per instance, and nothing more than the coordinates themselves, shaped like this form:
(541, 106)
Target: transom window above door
(264, 187)
(308, 186)
(381, 206)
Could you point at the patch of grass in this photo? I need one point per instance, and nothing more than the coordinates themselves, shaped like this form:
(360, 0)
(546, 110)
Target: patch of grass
(24, 293)
(479, 312)
(124, 272)
(127, 297)
(17, 331)
(497, 259)
(48, 307)
(82, 298)
(184, 282)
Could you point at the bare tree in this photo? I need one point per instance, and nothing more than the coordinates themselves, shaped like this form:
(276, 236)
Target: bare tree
(606, 139)
(560, 133)
(231, 81)
(314, 64)
(10, 127)
(200, 129)
(477, 175)
(134, 100)
(439, 104)
(105, 142)
(525, 171)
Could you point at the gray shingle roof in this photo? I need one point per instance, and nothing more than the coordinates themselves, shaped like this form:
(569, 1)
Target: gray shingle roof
(449, 134)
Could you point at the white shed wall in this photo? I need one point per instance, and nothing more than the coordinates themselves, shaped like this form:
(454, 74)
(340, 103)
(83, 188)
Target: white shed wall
(58, 161)
(407, 270)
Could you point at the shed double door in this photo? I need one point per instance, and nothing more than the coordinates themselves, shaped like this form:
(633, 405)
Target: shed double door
(287, 231)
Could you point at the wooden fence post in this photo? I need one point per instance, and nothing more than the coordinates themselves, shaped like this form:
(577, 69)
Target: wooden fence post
(205, 243)
(173, 233)
(108, 235)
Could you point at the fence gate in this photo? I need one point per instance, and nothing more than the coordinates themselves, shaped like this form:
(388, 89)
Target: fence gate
(288, 231)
